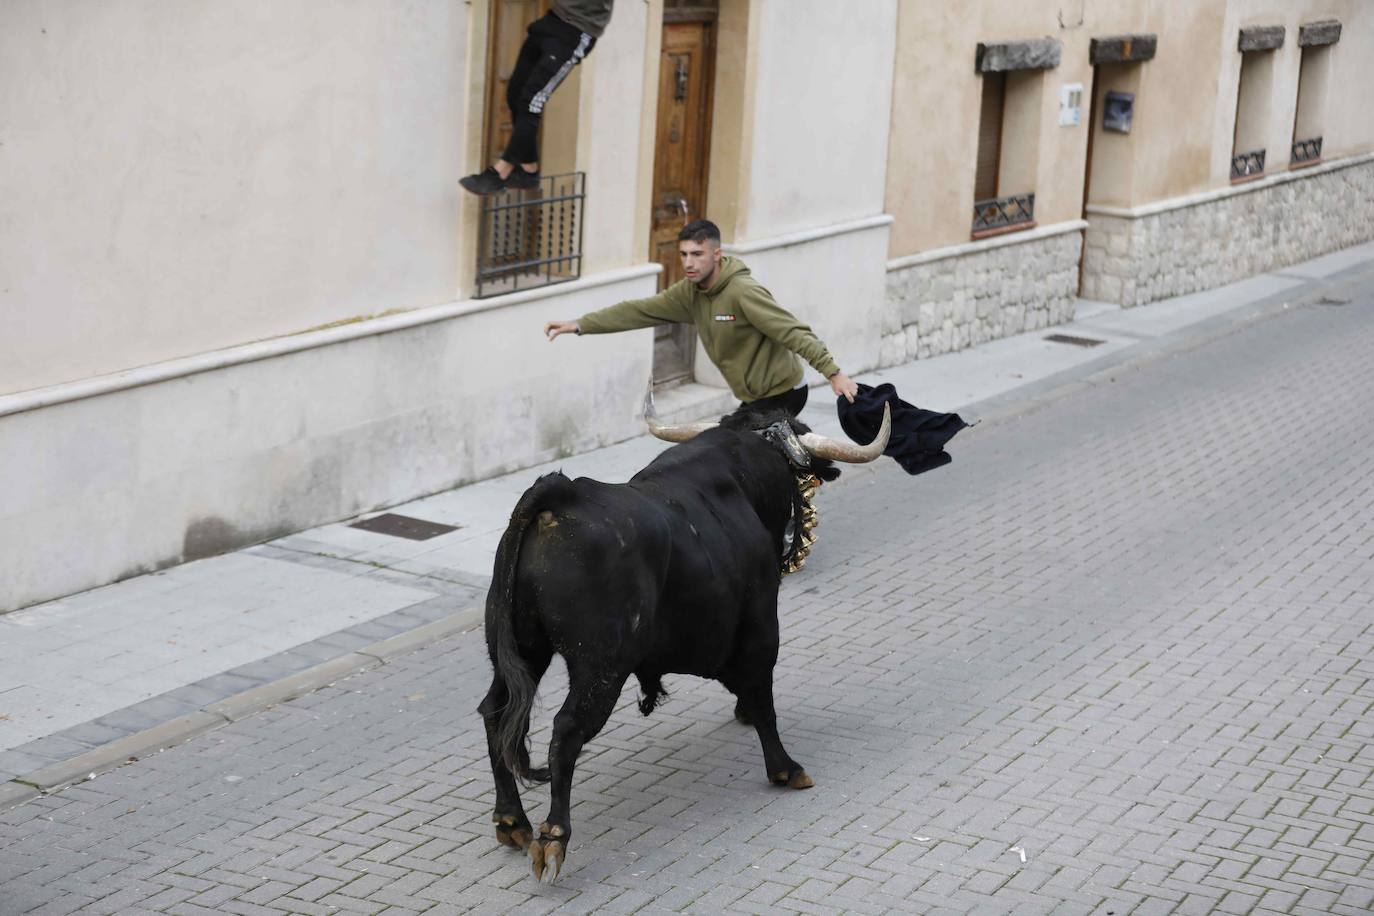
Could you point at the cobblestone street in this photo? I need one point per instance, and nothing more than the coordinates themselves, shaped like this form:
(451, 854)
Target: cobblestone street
(1116, 658)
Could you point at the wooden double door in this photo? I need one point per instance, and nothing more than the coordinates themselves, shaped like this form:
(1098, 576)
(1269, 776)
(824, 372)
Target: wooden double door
(682, 144)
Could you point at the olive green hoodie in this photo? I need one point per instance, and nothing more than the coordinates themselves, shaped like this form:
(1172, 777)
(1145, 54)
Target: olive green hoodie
(748, 336)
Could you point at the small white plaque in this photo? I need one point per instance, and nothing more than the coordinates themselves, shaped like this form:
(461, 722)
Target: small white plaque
(1070, 104)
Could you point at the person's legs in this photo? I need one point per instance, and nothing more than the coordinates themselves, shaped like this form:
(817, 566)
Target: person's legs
(530, 53)
(551, 49)
(560, 47)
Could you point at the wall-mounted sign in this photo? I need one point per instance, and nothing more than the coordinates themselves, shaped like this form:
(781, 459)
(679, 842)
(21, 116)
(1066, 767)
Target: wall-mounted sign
(1070, 104)
(1117, 110)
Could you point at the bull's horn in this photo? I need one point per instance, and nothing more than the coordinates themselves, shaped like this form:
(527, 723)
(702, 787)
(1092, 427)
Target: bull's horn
(824, 447)
(678, 433)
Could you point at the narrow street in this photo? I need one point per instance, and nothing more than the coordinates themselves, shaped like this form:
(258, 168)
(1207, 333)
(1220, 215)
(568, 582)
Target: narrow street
(1116, 658)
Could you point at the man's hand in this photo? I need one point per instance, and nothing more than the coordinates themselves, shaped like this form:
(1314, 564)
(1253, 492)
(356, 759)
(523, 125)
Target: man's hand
(553, 328)
(842, 384)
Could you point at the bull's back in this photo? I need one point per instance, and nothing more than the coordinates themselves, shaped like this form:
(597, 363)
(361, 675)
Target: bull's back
(644, 575)
(592, 570)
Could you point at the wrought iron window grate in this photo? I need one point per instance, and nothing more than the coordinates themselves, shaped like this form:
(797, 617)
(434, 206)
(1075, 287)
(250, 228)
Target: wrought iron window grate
(1003, 212)
(1247, 165)
(1307, 150)
(531, 238)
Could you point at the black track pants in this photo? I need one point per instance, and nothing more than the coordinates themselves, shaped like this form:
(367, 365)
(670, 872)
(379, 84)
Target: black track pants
(551, 49)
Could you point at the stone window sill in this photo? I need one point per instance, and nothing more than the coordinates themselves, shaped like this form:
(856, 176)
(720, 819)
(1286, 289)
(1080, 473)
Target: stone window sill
(1002, 230)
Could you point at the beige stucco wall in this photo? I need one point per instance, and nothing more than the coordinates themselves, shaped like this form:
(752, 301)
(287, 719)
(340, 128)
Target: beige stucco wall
(176, 179)
(1185, 103)
(822, 86)
(612, 103)
(1347, 127)
(1169, 145)
(1113, 159)
(934, 119)
(732, 116)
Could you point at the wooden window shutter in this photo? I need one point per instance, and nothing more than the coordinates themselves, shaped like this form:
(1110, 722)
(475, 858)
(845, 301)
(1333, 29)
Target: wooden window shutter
(989, 136)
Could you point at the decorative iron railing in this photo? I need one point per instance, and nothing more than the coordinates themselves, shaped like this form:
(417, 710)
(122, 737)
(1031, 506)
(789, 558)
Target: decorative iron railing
(1307, 150)
(531, 238)
(1247, 165)
(1003, 212)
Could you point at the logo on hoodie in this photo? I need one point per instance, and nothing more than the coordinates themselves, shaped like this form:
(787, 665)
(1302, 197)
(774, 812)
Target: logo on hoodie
(723, 317)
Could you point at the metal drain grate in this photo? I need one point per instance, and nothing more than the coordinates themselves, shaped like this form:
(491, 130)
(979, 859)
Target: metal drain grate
(403, 526)
(1075, 341)
(1331, 300)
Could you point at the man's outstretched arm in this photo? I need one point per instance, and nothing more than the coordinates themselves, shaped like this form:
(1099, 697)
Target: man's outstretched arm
(667, 307)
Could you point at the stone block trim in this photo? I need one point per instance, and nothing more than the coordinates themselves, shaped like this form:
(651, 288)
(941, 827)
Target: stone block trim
(1132, 260)
(1121, 49)
(1326, 32)
(1036, 54)
(1262, 38)
(959, 301)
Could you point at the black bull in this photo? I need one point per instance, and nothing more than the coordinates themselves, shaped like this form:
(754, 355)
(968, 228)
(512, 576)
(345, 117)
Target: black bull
(676, 571)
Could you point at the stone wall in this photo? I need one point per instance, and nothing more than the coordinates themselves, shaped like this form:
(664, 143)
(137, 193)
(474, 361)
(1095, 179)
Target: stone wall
(979, 292)
(1135, 257)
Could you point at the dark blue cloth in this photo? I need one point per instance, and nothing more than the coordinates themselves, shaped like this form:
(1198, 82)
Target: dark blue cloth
(918, 436)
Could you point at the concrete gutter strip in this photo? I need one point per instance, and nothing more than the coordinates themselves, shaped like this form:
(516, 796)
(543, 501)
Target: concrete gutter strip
(256, 699)
(418, 638)
(231, 709)
(182, 728)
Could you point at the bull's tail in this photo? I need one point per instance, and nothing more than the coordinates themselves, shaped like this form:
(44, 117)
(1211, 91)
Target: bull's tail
(512, 733)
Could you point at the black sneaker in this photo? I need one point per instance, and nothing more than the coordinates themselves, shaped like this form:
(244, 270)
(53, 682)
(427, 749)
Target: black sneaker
(487, 181)
(522, 180)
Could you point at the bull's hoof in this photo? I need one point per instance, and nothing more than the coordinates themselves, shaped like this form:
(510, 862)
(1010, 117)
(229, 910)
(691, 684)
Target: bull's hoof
(797, 779)
(510, 832)
(547, 852)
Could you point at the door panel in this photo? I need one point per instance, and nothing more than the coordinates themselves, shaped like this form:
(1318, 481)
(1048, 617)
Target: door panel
(681, 149)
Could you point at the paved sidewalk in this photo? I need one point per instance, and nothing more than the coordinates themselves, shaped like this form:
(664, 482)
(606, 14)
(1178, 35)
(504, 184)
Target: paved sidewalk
(99, 667)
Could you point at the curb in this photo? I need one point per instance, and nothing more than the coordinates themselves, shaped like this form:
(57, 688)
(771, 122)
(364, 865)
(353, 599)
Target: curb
(215, 715)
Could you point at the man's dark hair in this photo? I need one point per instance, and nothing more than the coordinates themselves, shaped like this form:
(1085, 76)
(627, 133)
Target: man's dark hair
(700, 230)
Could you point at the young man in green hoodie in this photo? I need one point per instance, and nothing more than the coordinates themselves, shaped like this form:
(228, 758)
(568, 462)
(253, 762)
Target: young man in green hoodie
(752, 340)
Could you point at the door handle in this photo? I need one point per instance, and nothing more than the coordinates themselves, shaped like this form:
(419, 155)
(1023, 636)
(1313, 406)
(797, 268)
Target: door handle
(671, 205)
(680, 90)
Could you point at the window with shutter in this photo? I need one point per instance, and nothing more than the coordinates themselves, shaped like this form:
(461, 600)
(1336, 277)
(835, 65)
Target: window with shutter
(989, 136)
